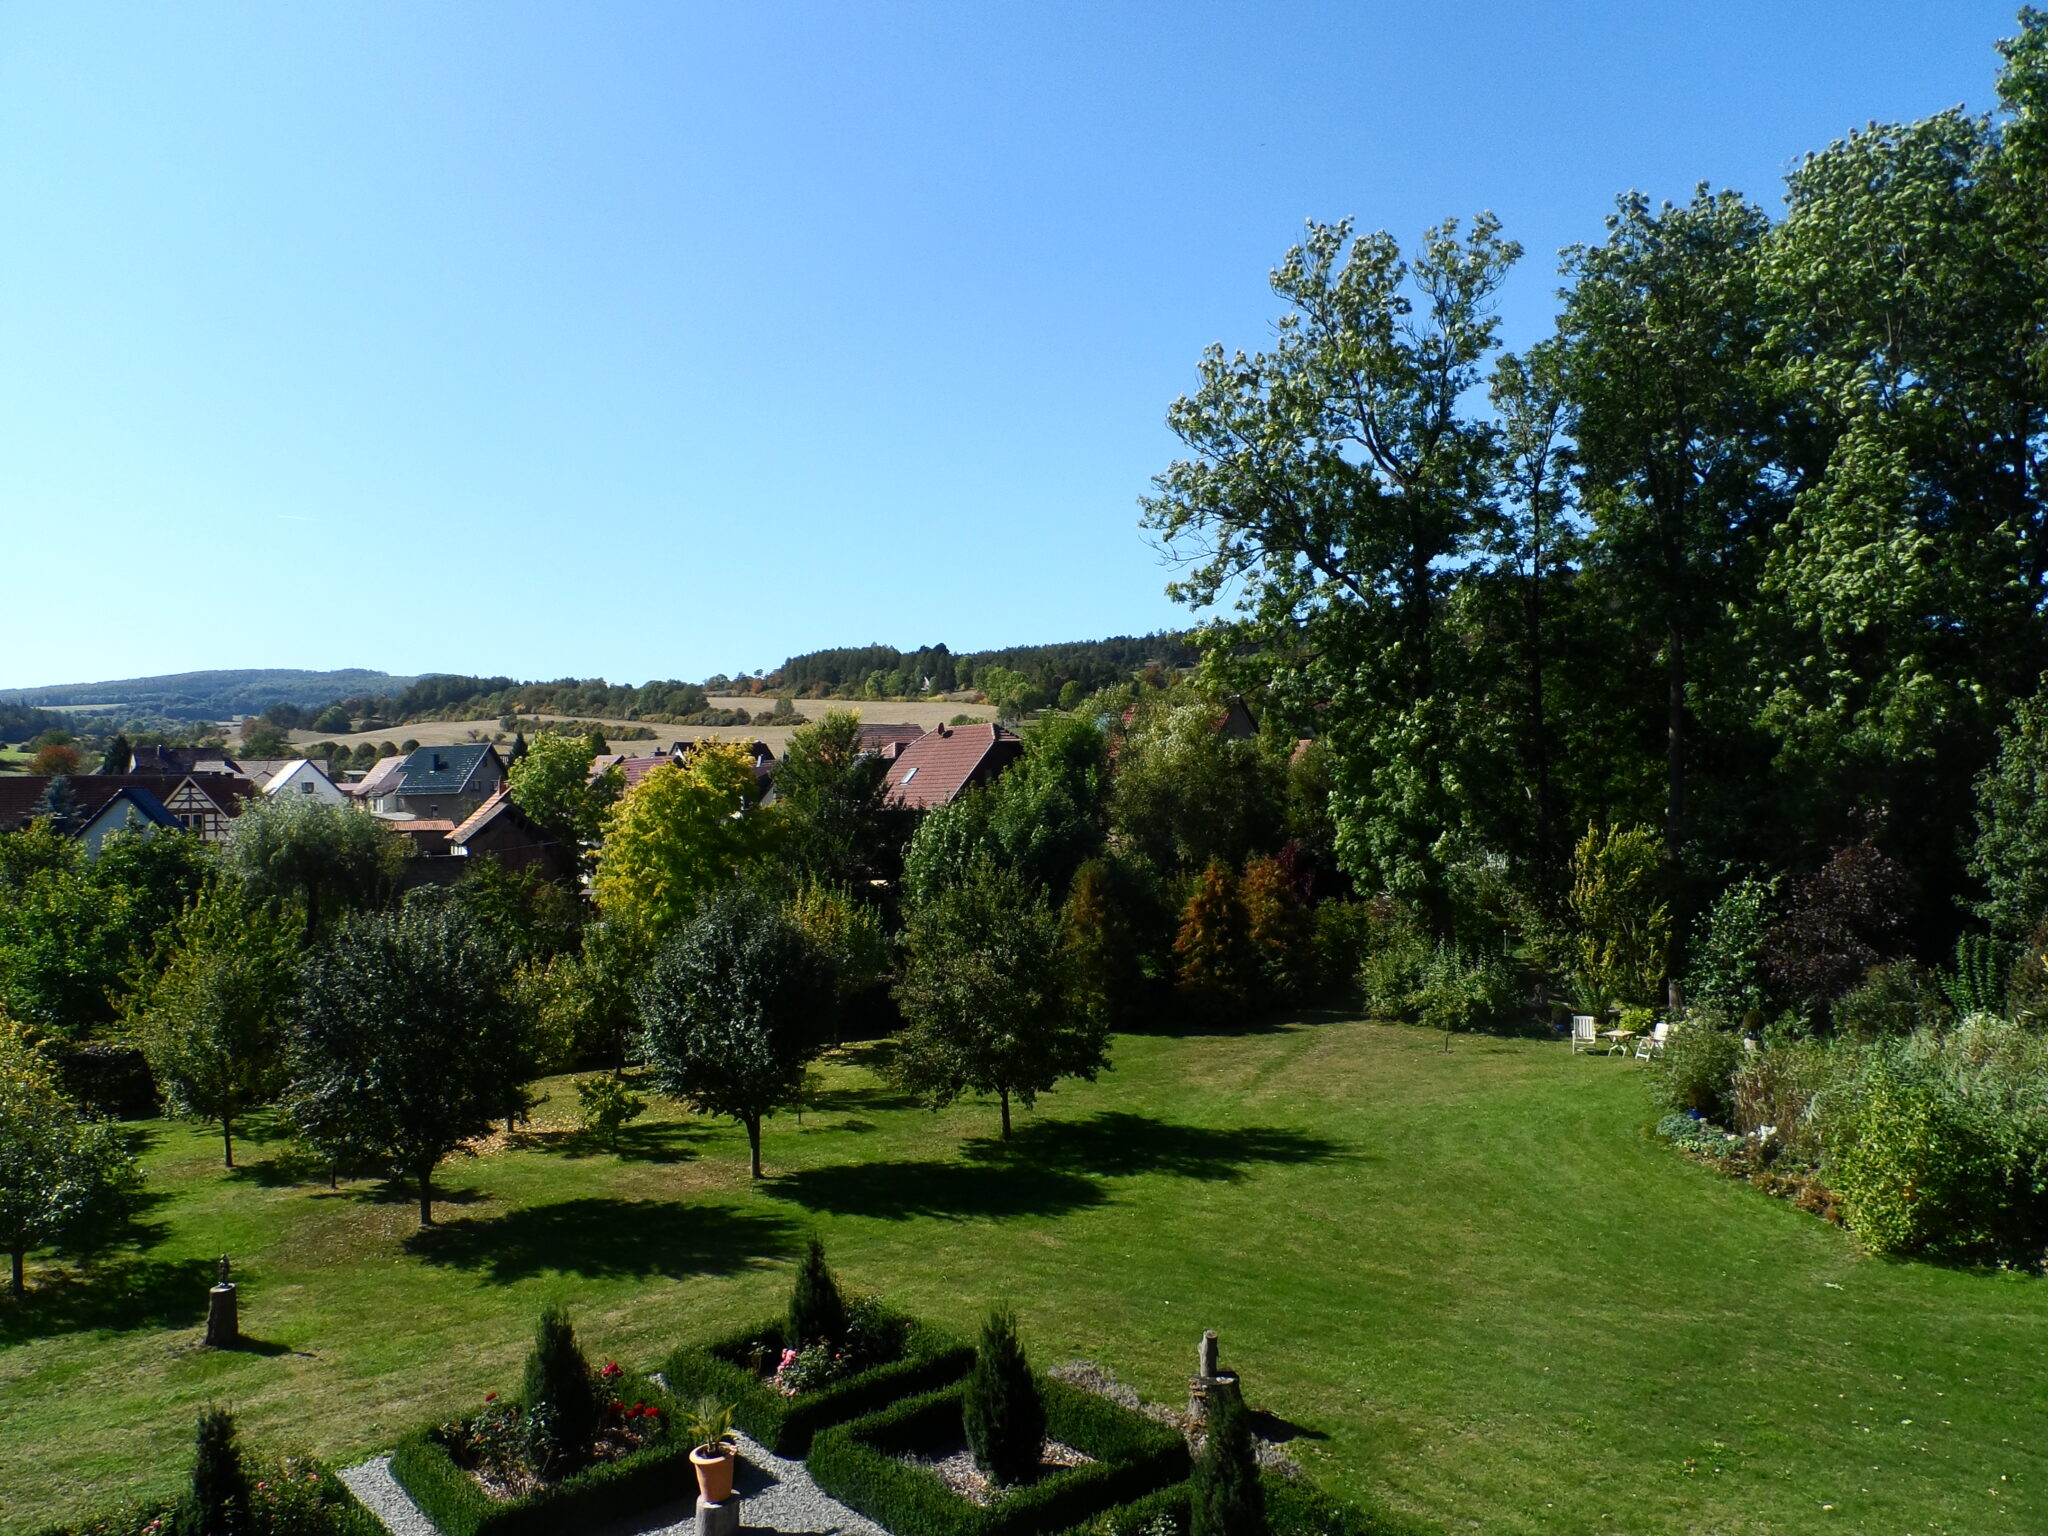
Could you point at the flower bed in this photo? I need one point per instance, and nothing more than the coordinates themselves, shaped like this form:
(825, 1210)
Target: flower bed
(867, 1464)
(288, 1496)
(476, 1477)
(908, 1357)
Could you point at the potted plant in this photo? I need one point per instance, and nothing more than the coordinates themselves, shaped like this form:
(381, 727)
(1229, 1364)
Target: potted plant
(710, 1426)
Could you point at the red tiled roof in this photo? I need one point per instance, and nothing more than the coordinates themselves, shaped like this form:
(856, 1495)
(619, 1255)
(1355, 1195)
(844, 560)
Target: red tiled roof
(20, 795)
(936, 767)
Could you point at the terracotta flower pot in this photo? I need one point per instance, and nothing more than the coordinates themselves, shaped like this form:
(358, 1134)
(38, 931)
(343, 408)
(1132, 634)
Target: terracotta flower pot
(714, 1472)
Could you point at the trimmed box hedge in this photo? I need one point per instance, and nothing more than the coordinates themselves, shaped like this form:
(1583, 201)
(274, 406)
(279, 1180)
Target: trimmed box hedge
(787, 1425)
(451, 1498)
(859, 1465)
(1293, 1508)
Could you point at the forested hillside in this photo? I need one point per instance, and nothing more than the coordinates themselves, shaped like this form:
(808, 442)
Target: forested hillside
(211, 695)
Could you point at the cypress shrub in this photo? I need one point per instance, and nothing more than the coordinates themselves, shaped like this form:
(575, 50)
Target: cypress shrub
(817, 1312)
(219, 1500)
(1225, 1497)
(561, 1402)
(1002, 1412)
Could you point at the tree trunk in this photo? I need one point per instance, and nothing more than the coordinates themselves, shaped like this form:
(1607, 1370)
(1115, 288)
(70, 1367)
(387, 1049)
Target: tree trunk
(19, 1282)
(1674, 745)
(227, 1139)
(426, 1194)
(1006, 1112)
(753, 1124)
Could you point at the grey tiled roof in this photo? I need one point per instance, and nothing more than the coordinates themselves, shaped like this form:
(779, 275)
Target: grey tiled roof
(443, 770)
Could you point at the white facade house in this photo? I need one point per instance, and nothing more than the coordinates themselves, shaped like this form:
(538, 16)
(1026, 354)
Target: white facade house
(302, 779)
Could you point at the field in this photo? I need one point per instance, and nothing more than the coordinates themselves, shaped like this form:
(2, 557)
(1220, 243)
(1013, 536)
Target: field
(1488, 1299)
(436, 733)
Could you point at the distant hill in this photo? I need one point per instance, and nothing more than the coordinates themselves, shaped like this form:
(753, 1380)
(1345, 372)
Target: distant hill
(211, 695)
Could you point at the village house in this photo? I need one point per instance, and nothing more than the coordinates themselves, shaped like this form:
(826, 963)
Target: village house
(445, 783)
(942, 764)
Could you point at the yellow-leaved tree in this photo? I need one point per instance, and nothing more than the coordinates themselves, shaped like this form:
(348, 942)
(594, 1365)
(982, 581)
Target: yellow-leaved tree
(682, 832)
(1624, 927)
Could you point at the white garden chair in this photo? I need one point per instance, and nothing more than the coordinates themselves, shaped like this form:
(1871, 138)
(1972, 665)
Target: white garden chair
(1584, 1036)
(1655, 1038)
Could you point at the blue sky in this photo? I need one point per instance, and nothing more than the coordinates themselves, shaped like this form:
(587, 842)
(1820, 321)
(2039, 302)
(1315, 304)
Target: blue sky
(651, 340)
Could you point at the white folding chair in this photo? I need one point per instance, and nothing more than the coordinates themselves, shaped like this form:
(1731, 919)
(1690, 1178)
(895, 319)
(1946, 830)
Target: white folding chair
(1584, 1036)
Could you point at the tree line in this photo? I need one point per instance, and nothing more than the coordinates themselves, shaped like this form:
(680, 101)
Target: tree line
(1749, 551)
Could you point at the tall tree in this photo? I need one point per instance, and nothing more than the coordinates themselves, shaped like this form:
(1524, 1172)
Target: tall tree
(1660, 339)
(1337, 484)
(552, 782)
(60, 1173)
(680, 834)
(404, 1042)
(834, 796)
(326, 860)
(737, 1004)
(210, 1021)
(987, 998)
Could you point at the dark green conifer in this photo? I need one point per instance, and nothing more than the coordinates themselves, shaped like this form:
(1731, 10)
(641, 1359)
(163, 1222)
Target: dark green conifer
(817, 1312)
(1225, 1497)
(559, 1394)
(1005, 1419)
(218, 1504)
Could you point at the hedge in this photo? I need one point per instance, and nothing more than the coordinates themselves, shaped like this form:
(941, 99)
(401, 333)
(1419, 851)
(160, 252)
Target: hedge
(350, 1518)
(1293, 1508)
(787, 1425)
(452, 1499)
(858, 1464)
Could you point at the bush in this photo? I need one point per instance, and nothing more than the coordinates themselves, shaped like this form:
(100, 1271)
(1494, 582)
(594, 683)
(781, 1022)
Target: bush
(1469, 990)
(1776, 1087)
(1978, 982)
(731, 1369)
(1938, 1144)
(1343, 934)
(1696, 1072)
(607, 1106)
(289, 1496)
(218, 1502)
(1893, 1001)
(817, 1312)
(1845, 919)
(1293, 1508)
(1397, 952)
(860, 1464)
(1727, 969)
(560, 1399)
(1225, 1497)
(1000, 1407)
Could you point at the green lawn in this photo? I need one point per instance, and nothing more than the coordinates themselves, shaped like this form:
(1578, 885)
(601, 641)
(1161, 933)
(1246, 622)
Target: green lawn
(1490, 1298)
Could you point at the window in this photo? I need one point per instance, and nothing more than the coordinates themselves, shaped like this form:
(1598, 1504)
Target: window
(306, 788)
(910, 775)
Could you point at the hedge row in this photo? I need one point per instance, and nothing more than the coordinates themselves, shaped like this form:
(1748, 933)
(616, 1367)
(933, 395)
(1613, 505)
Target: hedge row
(787, 1425)
(859, 1465)
(452, 1499)
(1293, 1508)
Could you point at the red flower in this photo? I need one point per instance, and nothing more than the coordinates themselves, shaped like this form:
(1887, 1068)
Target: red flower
(611, 1370)
(490, 1397)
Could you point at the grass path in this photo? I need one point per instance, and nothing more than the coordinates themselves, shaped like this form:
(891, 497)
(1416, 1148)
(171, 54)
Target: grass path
(1474, 1276)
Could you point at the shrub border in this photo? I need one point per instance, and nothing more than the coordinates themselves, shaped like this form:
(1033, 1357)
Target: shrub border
(1135, 1456)
(787, 1425)
(451, 1499)
(1294, 1507)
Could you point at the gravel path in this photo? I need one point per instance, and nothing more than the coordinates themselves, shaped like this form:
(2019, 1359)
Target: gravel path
(779, 1496)
(373, 1484)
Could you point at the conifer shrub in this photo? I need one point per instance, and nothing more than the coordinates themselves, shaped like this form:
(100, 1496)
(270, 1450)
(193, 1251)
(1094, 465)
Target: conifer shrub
(218, 1503)
(817, 1311)
(1225, 1496)
(1213, 949)
(1001, 1411)
(1281, 929)
(561, 1399)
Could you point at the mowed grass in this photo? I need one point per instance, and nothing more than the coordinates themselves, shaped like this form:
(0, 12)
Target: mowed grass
(1488, 1297)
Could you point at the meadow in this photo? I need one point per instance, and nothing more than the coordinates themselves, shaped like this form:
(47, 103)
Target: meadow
(441, 733)
(1482, 1293)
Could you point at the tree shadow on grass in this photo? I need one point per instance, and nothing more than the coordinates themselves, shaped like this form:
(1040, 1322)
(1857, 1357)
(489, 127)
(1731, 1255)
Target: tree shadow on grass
(1174, 1020)
(899, 1189)
(602, 1238)
(115, 1296)
(1117, 1144)
(1047, 1169)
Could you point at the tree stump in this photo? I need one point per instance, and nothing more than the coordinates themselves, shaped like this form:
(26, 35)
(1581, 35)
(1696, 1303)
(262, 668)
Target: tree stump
(722, 1519)
(223, 1328)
